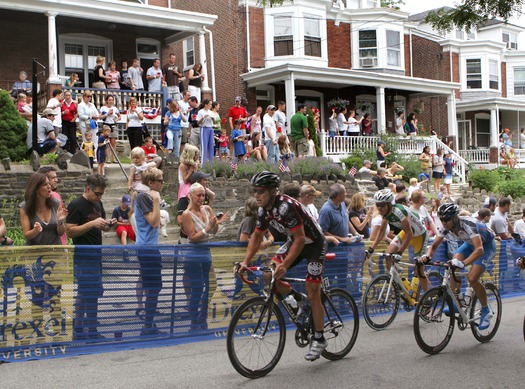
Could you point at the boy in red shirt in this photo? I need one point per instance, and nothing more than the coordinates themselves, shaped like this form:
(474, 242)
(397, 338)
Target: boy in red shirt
(151, 151)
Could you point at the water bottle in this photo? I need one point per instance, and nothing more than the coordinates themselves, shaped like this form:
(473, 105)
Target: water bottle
(468, 295)
(413, 285)
(291, 301)
(406, 283)
(356, 238)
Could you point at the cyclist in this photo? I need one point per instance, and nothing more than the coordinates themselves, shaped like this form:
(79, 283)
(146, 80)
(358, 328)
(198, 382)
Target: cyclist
(305, 242)
(412, 231)
(478, 249)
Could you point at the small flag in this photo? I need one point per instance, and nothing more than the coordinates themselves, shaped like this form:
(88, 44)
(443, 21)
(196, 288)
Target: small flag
(283, 166)
(233, 164)
(353, 171)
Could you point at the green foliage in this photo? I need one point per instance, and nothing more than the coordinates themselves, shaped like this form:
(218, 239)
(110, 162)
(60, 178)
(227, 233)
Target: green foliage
(513, 188)
(49, 159)
(273, 3)
(484, 179)
(412, 166)
(312, 130)
(471, 13)
(222, 168)
(358, 156)
(315, 167)
(13, 130)
(395, 4)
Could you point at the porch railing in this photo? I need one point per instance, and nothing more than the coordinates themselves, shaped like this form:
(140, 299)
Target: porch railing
(480, 155)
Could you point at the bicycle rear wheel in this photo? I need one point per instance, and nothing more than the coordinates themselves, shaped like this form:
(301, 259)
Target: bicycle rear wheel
(494, 301)
(435, 279)
(256, 338)
(342, 324)
(380, 306)
(432, 328)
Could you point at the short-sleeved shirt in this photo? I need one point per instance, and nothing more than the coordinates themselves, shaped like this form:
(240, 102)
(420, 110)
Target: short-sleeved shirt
(280, 118)
(121, 215)
(146, 234)
(361, 215)
(334, 219)
(45, 126)
(81, 211)
(499, 222)
(208, 122)
(136, 77)
(172, 79)
(399, 213)
(238, 113)
(238, 145)
(468, 229)
(247, 227)
(381, 183)
(269, 128)
(437, 163)
(298, 123)
(154, 84)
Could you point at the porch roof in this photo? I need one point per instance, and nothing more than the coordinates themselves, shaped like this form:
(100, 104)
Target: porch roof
(180, 24)
(499, 103)
(340, 78)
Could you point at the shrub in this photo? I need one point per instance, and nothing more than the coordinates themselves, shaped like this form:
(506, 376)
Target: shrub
(412, 166)
(484, 179)
(514, 188)
(13, 130)
(357, 158)
(315, 167)
(222, 168)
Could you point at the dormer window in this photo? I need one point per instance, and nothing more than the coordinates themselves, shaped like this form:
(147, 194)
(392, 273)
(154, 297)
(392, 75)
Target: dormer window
(283, 36)
(510, 39)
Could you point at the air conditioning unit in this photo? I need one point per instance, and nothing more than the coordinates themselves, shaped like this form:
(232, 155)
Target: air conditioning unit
(367, 62)
(512, 45)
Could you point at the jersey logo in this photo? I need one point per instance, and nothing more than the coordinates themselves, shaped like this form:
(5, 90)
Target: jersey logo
(315, 268)
(283, 208)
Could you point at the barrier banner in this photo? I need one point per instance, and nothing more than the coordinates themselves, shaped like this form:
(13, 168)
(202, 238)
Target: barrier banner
(71, 300)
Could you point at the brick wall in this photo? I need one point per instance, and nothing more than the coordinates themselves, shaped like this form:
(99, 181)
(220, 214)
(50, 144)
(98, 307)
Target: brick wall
(257, 51)
(429, 60)
(504, 79)
(407, 54)
(339, 47)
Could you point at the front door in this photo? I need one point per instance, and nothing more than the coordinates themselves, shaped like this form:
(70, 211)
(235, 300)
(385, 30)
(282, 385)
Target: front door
(465, 134)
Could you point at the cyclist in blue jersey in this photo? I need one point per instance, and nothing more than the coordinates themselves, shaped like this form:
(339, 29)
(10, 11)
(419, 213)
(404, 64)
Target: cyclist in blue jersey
(305, 242)
(478, 249)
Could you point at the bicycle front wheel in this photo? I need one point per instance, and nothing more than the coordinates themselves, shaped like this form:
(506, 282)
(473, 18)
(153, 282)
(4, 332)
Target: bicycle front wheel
(380, 305)
(435, 279)
(432, 328)
(494, 302)
(256, 337)
(342, 324)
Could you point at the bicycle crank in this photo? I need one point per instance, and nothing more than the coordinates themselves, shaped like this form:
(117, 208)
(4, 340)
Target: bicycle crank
(301, 338)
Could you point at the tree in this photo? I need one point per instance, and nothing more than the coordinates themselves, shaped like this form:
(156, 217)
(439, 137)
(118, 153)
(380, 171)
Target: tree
(395, 4)
(312, 130)
(273, 3)
(472, 13)
(13, 130)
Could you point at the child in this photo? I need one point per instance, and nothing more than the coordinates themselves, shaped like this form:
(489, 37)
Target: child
(121, 214)
(284, 148)
(444, 196)
(414, 185)
(103, 140)
(71, 82)
(239, 149)
(151, 151)
(448, 171)
(223, 145)
(138, 165)
(89, 147)
(311, 148)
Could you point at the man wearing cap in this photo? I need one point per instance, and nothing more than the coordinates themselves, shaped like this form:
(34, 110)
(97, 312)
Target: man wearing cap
(46, 137)
(307, 197)
(490, 204)
(280, 117)
(500, 222)
(121, 214)
(237, 111)
(366, 169)
(270, 134)
(299, 132)
(209, 195)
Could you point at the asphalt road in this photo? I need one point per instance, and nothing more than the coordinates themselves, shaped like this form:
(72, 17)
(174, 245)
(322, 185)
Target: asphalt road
(387, 359)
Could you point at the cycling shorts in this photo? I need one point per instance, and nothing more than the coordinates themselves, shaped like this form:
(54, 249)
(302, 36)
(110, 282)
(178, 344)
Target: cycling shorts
(419, 243)
(314, 255)
(489, 251)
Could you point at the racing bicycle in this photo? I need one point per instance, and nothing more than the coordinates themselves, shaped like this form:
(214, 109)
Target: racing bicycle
(384, 294)
(433, 328)
(257, 331)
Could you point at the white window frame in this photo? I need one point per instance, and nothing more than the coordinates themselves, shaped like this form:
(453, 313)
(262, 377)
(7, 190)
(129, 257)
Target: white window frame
(279, 19)
(480, 79)
(313, 38)
(493, 72)
(519, 84)
(393, 49)
(186, 49)
(511, 39)
(363, 51)
(148, 41)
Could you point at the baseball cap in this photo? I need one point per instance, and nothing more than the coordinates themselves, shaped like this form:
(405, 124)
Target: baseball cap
(238, 98)
(170, 100)
(198, 176)
(126, 199)
(367, 162)
(489, 201)
(380, 142)
(271, 108)
(310, 190)
(48, 111)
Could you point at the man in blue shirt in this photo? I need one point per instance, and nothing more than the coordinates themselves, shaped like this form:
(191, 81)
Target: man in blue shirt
(333, 217)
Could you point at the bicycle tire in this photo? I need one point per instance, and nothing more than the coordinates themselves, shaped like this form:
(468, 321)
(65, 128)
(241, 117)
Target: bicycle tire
(341, 336)
(432, 328)
(380, 314)
(435, 278)
(494, 300)
(255, 357)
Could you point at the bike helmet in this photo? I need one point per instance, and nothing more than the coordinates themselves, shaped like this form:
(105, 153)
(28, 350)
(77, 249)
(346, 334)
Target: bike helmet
(384, 196)
(266, 179)
(448, 210)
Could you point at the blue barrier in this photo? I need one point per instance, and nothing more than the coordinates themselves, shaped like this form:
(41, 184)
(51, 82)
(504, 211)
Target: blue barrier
(66, 300)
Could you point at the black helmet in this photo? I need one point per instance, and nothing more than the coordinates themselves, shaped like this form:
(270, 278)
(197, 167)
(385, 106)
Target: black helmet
(448, 210)
(266, 179)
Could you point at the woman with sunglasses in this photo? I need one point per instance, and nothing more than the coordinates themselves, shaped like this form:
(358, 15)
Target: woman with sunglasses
(88, 116)
(412, 232)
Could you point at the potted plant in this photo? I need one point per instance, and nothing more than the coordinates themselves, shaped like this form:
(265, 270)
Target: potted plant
(338, 103)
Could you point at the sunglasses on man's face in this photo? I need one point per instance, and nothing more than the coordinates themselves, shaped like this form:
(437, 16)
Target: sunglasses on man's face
(445, 219)
(381, 205)
(259, 190)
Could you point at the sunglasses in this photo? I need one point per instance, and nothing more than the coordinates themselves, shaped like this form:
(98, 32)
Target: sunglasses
(381, 205)
(99, 194)
(445, 219)
(259, 190)
(161, 181)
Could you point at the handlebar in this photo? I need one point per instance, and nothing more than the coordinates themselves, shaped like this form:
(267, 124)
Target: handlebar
(447, 265)
(397, 259)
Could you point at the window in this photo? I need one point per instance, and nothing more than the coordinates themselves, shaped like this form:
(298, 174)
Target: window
(474, 73)
(511, 40)
(519, 81)
(283, 36)
(393, 49)
(493, 74)
(460, 34)
(189, 52)
(93, 53)
(312, 37)
(367, 48)
(147, 48)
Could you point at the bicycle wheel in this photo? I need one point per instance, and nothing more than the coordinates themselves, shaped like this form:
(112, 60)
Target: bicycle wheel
(435, 279)
(256, 338)
(494, 300)
(432, 328)
(342, 324)
(380, 306)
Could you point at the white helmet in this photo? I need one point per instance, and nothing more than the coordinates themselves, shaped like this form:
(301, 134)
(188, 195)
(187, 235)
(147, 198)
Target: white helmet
(384, 196)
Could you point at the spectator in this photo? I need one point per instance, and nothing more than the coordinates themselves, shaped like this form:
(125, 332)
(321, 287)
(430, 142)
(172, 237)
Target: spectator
(438, 165)
(444, 196)
(134, 124)
(500, 222)
(299, 134)
(519, 225)
(185, 125)
(103, 141)
(292, 189)
(46, 137)
(433, 213)
(195, 81)
(381, 181)
(375, 226)
(333, 217)
(237, 111)
(414, 185)
(448, 171)
(366, 123)
(173, 119)
(490, 204)
(99, 74)
(484, 215)
(418, 205)
(24, 108)
(381, 154)
(332, 120)
(72, 82)
(400, 124)
(51, 174)
(22, 85)
(401, 189)
(353, 124)
(522, 138)
(86, 220)
(194, 130)
(307, 197)
(89, 148)
(342, 123)
(173, 77)
(270, 134)
(125, 83)
(280, 118)
(256, 148)
(55, 103)
(254, 122)
(359, 215)
(189, 164)
(135, 75)
(88, 116)
(391, 173)
(113, 80)
(154, 77)
(237, 137)
(247, 225)
(426, 163)
(412, 124)
(366, 169)
(69, 125)
(4, 239)
(150, 151)
(110, 115)
(147, 218)
(215, 108)
(223, 142)
(41, 216)
(121, 215)
(138, 166)
(205, 121)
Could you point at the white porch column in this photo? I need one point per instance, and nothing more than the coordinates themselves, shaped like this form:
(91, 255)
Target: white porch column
(381, 110)
(52, 47)
(289, 91)
(494, 127)
(204, 61)
(452, 118)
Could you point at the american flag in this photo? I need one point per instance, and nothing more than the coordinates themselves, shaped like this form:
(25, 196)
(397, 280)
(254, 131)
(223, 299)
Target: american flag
(353, 170)
(233, 164)
(283, 166)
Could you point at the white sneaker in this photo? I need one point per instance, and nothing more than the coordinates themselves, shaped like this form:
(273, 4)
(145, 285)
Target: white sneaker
(486, 318)
(316, 349)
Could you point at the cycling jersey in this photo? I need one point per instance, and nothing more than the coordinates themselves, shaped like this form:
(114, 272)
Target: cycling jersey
(400, 213)
(469, 228)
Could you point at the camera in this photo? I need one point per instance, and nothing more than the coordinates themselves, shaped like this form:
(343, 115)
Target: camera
(219, 214)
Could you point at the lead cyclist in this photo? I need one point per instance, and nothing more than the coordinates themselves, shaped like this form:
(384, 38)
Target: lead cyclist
(478, 249)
